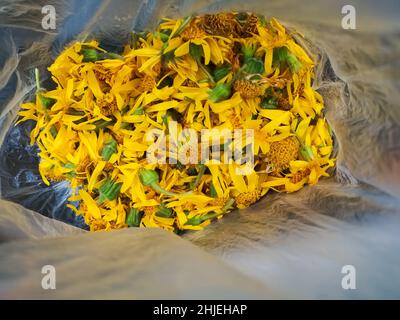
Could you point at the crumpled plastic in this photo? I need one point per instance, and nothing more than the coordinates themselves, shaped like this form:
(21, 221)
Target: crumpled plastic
(284, 246)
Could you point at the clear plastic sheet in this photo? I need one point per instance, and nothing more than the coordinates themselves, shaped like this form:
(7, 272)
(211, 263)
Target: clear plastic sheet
(286, 245)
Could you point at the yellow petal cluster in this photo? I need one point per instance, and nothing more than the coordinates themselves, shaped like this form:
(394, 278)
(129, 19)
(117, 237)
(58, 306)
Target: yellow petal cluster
(94, 131)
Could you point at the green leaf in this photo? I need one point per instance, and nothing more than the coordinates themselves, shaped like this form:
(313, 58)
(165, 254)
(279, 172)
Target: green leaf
(228, 205)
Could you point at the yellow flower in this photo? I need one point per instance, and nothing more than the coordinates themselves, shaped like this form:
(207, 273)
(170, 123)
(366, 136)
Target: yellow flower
(51, 170)
(203, 72)
(248, 89)
(282, 152)
(317, 168)
(247, 189)
(194, 34)
(67, 60)
(91, 205)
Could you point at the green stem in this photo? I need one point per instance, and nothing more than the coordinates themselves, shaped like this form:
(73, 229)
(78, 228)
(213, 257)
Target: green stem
(204, 69)
(228, 205)
(209, 216)
(101, 124)
(111, 55)
(75, 112)
(182, 26)
(150, 178)
(198, 178)
(305, 151)
(38, 88)
(198, 220)
(239, 73)
(156, 187)
(46, 102)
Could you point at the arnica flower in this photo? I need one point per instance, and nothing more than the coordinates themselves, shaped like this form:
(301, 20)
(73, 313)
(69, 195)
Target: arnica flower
(221, 24)
(281, 153)
(224, 71)
(300, 175)
(248, 89)
(248, 24)
(210, 45)
(107, 104)
(147, 83)
(193, 31)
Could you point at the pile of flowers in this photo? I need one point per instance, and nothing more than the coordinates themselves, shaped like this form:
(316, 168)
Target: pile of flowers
(217, 71)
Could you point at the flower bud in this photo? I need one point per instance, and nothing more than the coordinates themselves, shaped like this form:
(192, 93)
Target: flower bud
(109, 148)
(164, 212)
(293, 63)
(221, 71)
(148, 177)
(90, 55)
(109, 190)
(220, 92)
(133, 217)
(254, 66)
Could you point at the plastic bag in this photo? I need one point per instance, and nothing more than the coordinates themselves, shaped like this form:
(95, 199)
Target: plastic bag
(348, 219)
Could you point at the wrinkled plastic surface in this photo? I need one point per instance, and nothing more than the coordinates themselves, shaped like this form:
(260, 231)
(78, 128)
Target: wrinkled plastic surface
(286, 245)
